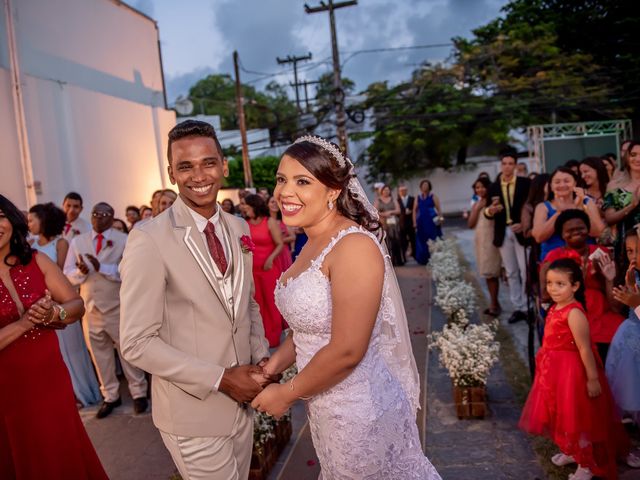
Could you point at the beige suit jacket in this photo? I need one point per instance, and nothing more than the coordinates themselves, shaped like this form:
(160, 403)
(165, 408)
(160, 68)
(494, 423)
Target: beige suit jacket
(177, 324)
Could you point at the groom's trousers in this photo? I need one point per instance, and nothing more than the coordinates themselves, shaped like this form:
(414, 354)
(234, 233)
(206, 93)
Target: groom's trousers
(214, 458)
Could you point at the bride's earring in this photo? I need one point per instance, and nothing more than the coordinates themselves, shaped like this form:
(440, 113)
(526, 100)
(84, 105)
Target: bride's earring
(330, 204)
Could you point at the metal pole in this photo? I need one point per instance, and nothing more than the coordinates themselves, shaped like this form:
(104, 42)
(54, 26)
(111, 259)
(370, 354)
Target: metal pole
(337, 83)
(18, 107)
(248, 180)
(295, 81)
(341, 119)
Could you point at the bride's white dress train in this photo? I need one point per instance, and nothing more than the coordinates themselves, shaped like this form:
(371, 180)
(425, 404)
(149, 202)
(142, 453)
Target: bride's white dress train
(364, 427)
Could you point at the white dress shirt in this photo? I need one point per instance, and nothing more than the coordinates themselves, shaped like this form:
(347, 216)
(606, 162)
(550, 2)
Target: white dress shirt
(109, 270)
(201, 224)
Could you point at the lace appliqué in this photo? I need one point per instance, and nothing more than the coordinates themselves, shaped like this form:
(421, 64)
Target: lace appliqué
(364, 427)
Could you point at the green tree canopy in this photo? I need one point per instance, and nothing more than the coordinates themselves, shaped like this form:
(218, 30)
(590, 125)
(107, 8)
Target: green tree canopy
(517, 70)
(263, 171)
(272, 109)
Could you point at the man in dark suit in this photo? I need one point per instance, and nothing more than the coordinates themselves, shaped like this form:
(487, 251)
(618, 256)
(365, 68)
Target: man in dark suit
(507, 196)
(407, 232)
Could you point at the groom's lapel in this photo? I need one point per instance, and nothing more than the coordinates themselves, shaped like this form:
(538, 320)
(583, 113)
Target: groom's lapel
(186, 230)
(236, 261)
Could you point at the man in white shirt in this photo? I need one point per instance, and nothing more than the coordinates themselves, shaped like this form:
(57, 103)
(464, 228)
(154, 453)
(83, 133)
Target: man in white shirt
(92, 263)
(72, 206)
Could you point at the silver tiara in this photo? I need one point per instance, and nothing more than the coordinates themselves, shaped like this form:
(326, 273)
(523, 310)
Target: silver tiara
(328, 146)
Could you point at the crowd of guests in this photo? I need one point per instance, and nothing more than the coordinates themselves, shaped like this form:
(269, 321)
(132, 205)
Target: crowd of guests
(409, 222)
(566, 243)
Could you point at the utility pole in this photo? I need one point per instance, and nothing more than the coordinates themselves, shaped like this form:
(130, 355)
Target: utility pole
(305, 84)
(294, 60)
(341, 118)
(248, 180)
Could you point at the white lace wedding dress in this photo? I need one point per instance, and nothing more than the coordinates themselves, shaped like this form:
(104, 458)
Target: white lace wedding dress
(364, 427)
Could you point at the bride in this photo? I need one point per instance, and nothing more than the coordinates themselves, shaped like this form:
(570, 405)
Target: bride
(350, 338)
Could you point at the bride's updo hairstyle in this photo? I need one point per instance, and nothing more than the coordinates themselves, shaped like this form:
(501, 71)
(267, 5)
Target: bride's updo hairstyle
(329, 171)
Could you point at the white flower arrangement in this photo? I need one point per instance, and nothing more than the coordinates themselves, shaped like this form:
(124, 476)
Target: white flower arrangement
(467, 352)
(263, 428)
(444, 261)
(263, 424)
(289, 373)
(457, 299)
(440, 244)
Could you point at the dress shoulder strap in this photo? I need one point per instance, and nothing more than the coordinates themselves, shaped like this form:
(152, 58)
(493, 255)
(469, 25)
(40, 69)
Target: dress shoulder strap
(341, 234)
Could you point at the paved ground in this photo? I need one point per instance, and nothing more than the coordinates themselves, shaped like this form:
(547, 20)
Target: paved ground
(492, 448)
(503, 406)
(130, 447)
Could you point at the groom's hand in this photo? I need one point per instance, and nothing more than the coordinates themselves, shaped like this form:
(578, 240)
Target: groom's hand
(237, 383)
(266, 377)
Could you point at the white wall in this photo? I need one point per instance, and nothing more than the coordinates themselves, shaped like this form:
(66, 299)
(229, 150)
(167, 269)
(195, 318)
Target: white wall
(453, 188)
(93, 102)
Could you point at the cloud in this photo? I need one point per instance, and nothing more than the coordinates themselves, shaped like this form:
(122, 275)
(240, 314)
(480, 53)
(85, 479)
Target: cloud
(181, 83)
(200, 39)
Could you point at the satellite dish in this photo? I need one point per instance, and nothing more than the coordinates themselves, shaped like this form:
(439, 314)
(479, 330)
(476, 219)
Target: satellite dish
(183, 105)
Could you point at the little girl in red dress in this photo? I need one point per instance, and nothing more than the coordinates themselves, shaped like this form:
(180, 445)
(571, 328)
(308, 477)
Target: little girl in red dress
(570, 401)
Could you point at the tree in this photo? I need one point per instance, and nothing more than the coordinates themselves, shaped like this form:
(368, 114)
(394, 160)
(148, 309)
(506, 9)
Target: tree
(263, 170)
(514, 71)
(326, 94)
(604, 30)
(272, 109)
(520, 64)
(426, 123)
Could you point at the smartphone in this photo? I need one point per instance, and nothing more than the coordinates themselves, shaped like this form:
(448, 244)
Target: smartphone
(597, 254)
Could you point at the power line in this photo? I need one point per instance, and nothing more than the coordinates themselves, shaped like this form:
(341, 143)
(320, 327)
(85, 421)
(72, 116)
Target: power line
(294, 60)
(337, 76)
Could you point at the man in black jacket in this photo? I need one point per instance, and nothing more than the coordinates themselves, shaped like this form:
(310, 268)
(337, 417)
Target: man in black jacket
(407, 232)
(507, 196)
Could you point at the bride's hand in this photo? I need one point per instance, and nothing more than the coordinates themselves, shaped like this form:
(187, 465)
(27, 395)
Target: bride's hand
(274, 400)
(267, 375)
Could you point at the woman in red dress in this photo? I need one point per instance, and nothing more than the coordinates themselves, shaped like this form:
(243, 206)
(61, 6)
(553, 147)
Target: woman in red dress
(570, 401)
(288, 238)
(41, 434)
(598, 271)
(267, 237)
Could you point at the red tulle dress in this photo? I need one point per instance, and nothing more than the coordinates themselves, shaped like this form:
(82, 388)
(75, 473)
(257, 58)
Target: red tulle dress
(559, 407)
(41, 434)
(265, 281)
(603, 321)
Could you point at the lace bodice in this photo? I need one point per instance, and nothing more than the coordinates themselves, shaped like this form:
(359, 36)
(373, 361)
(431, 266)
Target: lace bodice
(305, 302)
(364, 427)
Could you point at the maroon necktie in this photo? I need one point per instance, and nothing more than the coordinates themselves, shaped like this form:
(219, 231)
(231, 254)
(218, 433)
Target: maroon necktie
(67, 227)
(215, 247)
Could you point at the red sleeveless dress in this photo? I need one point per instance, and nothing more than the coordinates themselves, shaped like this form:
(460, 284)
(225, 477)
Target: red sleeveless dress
(559, 407)
(41, 434)
(265, 281)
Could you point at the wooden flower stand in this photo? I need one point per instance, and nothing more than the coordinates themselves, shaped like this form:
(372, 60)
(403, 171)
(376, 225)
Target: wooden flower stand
(471, 402)
(265, 456)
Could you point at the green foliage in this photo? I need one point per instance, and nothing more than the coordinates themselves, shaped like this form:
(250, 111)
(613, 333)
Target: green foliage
(272, 109)
(325, 93)
(263, 170)
(427, 122)
(534, 64)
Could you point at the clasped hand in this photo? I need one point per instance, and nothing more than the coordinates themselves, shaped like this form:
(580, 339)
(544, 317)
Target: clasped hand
(41, 313)
(244, 382)
(83, 267)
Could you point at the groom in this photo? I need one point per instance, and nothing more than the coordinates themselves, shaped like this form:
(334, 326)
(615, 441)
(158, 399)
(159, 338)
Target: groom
(189, 317)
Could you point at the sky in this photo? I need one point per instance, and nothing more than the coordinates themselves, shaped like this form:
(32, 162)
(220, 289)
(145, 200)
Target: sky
(198, 37)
